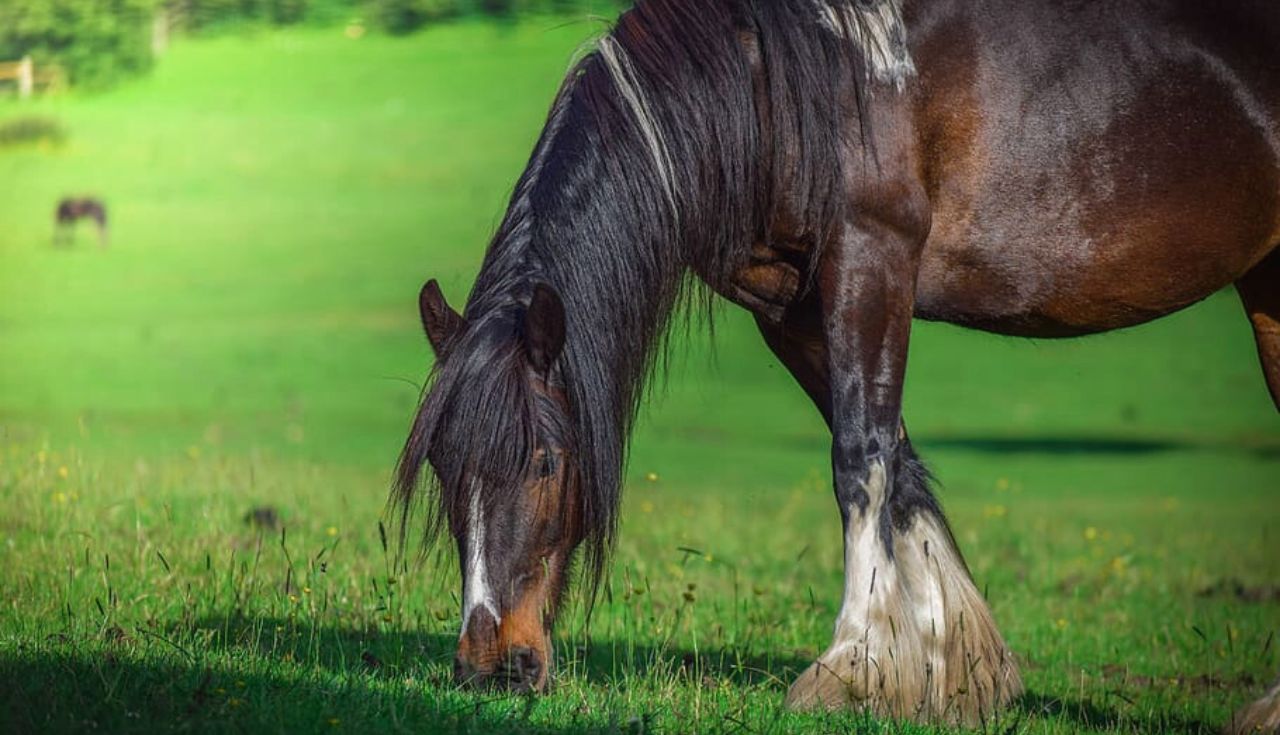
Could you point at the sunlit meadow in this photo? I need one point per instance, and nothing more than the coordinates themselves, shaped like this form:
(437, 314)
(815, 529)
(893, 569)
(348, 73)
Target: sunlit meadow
(197, 425)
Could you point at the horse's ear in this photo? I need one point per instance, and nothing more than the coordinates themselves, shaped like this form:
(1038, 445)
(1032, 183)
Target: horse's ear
(544, 328)
(439, 320)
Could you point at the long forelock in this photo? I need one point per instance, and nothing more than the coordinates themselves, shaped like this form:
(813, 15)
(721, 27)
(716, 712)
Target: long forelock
(475, 427)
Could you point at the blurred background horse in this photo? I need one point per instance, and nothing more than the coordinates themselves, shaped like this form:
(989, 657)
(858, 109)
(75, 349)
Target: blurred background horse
(73, 209)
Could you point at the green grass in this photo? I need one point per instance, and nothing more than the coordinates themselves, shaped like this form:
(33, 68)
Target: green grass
(250, 339)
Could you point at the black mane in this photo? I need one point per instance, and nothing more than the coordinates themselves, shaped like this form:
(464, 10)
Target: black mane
(596, 217)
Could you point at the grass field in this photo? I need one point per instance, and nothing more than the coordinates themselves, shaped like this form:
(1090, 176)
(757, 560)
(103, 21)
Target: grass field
(249, 340)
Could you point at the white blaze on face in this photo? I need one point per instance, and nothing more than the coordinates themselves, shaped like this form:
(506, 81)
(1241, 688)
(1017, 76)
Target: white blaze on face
(475, 591)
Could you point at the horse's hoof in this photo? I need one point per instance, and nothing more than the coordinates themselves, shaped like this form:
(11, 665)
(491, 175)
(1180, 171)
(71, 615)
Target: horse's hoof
(847, 677)
(1262, 716)
(821, 687)
(839, 680)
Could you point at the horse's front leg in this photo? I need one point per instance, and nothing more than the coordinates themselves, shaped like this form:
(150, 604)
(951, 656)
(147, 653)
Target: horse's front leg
(914, 638)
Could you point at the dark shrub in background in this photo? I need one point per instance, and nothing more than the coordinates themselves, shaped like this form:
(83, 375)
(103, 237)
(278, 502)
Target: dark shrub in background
(206, 15)
(500, 8)
(407, 16)
(394, 16)
(95, 41)
(287, 11)
(31, 129)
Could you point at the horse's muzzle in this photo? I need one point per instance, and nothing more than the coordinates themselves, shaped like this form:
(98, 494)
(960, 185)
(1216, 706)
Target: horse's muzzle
(521, 670)
(490, 657)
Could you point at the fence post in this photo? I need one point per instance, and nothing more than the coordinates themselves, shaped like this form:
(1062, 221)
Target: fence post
(26, 77)
(160, 31)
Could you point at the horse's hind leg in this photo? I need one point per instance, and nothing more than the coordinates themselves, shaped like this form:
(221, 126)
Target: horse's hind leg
(914, 638)
(1259, 289)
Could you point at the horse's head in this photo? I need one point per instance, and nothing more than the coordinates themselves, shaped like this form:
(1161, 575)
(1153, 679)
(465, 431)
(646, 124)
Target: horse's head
(495, 429)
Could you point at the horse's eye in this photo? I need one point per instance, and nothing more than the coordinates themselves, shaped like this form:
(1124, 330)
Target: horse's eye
(547, 466)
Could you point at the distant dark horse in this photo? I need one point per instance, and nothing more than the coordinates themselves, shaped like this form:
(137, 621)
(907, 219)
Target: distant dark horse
(1027, 167)
(70, 210)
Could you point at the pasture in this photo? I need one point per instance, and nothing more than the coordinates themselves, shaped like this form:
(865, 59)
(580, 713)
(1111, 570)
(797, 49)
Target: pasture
(249, 342)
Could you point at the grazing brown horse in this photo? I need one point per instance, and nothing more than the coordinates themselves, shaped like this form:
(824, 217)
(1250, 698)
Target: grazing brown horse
(70, 210)
(1027, 167)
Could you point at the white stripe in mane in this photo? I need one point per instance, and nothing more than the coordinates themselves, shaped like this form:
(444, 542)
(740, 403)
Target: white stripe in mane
(624, 78)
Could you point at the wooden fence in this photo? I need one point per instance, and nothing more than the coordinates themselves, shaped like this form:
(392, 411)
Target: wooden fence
(28, 78)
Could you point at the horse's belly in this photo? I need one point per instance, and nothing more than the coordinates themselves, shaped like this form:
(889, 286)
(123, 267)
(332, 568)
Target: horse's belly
(1087, 225)
(1041, 289)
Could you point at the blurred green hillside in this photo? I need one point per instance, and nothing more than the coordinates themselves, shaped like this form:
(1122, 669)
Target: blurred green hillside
(97, 43)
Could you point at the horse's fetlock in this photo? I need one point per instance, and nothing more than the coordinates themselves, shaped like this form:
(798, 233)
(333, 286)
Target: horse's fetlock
(851, 495)
(848, 464)
(873, 448)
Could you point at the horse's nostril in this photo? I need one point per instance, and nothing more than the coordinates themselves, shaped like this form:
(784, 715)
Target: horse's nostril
(461, 672)
(525, 666)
